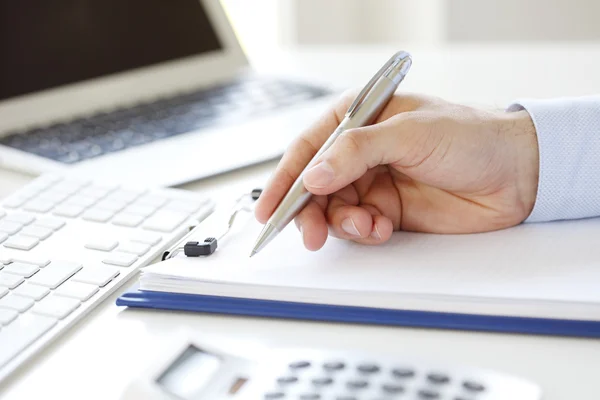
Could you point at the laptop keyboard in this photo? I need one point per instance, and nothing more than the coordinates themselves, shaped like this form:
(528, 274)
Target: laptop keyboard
(85, 138)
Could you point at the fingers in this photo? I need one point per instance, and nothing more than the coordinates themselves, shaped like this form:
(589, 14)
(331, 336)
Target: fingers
(312, 224)
(357, 150)
(362, 224)
(297, 156)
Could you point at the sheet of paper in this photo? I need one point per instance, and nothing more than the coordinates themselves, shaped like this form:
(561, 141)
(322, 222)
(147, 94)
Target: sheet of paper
(553, 261)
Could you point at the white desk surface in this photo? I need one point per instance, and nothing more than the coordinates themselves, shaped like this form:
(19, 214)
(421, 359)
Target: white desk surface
(98, 357)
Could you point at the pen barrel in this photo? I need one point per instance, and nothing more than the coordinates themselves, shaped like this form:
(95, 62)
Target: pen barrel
(298, 197)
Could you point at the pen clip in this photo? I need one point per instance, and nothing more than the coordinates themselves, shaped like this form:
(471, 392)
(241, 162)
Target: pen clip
(399, 56)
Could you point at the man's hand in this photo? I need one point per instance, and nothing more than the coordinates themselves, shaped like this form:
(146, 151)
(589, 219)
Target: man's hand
(426, 165)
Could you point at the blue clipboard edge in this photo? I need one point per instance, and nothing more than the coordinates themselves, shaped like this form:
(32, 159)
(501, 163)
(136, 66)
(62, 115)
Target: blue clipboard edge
(359, 315)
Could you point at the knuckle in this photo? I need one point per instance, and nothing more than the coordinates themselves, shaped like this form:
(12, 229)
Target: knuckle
(352, 141)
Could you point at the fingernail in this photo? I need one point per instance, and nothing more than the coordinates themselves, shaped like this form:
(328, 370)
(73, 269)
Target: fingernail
(349, 227)
(375, 234)
(319, 176)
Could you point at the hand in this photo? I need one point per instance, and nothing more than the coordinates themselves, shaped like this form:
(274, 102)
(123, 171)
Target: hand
(425, 165)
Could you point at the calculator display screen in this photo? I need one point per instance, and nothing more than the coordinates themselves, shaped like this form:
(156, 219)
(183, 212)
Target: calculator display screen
(187, 376)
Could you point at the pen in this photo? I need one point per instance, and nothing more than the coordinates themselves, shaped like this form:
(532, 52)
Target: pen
(365, 108)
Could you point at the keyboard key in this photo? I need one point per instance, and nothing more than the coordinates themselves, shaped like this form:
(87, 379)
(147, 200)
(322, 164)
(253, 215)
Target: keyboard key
(110, 205)
(55, 274)
(15, 201)
(56, 306)
(3, 236)
(96, 275)
(76, 290)
(121, 260)
(140, 209)
(43, 182)
(473, 386)
(126, 219)
(10, 281)
(184, 206)
(21, 242)
(151, 200)
(50, 223)
(2, 213)
(139, 249)
(38, 232)
(147, 238)
(21, 334)
(165, 221)
(31, 291)
(357, 384)
(40, 262)
(3, 291)
(97, 192)
(125, 196)
(102, 245)
(10, 227)
(7, 316)
(16, 303)
(23, 219)
(68, 210)
(21, 269)
(438, 378)
(38, 205)
(53, 197)
(97, 215)
(81, 200)
(67, 187)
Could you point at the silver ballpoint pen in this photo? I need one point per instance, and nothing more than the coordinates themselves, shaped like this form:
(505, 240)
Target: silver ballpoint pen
(365, 108)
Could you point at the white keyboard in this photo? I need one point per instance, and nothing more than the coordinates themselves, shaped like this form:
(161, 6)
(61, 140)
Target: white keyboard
(66, 244)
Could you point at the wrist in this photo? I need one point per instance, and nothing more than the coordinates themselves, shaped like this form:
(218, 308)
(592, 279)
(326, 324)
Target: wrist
(521, 132)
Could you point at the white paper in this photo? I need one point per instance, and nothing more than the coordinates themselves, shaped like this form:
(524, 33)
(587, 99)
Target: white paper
(552, 262)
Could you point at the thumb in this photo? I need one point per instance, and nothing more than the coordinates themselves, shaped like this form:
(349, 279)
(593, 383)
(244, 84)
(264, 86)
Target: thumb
(357, 150)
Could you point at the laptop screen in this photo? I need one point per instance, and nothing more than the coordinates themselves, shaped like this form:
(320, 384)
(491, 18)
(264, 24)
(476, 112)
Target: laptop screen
(49, 43)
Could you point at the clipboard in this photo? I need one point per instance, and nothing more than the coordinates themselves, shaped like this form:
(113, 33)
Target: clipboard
(582, 322)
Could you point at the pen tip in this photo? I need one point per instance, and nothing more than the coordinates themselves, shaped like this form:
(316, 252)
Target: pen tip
(253, 253)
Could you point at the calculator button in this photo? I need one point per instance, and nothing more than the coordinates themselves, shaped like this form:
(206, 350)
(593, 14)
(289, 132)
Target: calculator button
(322, 381)
(274, 395)
(334, 366)
(357, 384)
(346, 398)
(473, 386)
(428, 394)
(299, 364)
(392, 388)
(403, 372)
(284, 380)
(368, 368)
(438, 378)
(310, 396)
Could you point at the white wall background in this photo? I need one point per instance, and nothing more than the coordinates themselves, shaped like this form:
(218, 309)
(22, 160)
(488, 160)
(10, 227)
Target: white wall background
(274, 23)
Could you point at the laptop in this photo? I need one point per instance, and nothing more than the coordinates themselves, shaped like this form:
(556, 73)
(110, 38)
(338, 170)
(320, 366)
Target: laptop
(155, 92)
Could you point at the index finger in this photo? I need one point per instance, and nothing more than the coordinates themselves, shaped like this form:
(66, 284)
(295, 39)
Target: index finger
(298, 155)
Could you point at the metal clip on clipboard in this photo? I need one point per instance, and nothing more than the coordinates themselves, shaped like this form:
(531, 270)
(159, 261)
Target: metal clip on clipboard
(209, 245)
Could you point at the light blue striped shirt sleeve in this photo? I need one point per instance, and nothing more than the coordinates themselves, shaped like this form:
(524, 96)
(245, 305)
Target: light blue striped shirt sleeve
(568, 131)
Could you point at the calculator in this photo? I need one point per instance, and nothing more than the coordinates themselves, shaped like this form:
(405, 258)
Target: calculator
(192, 370)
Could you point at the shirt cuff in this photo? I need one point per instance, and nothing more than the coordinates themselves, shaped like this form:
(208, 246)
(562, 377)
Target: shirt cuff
(568, 134)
